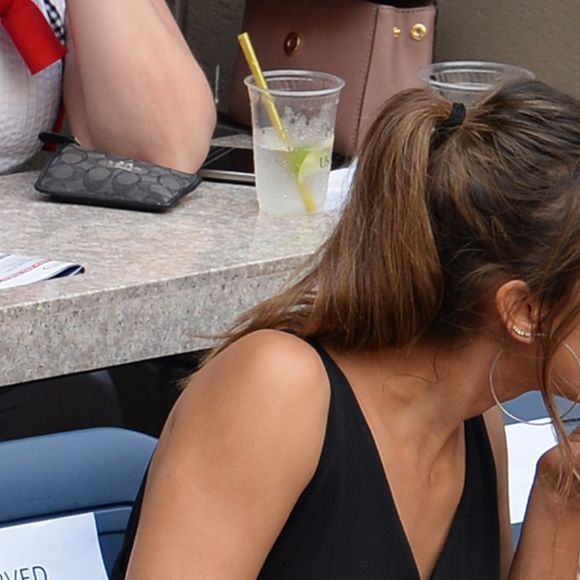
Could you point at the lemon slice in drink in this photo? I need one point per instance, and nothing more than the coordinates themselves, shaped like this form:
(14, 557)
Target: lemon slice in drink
(309, 160)
(302, 163)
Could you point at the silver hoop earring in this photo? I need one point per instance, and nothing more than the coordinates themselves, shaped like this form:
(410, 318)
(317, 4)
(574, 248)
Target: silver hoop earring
(538, 422)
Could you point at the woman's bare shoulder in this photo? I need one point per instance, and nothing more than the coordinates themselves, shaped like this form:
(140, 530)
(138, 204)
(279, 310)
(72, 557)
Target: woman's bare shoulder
(266, 360)
(243, 441)
(263, 385)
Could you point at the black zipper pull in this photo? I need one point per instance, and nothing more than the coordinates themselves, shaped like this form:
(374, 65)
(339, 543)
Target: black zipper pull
(52, 138)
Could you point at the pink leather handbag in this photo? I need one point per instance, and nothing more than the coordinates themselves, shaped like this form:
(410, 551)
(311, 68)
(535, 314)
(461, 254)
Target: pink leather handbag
(377, 49)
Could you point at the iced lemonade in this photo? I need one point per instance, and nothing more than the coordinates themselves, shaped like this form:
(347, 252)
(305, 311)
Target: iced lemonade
(289, 172)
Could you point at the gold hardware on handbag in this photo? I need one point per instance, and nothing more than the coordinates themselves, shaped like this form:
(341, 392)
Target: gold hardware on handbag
(291, 43)
(418, 31)
(376, 48)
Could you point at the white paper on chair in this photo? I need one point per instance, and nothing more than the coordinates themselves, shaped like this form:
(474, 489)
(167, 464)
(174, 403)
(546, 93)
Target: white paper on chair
(63, 548)
(526, 443)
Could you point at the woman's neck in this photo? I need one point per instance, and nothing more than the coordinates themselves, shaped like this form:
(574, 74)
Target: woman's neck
(424, 393)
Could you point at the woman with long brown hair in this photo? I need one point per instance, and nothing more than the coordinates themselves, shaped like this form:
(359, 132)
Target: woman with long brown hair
(348, 427)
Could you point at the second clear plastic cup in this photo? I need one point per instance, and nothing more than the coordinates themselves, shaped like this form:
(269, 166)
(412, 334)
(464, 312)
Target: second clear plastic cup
(465, 81)
(292, 167)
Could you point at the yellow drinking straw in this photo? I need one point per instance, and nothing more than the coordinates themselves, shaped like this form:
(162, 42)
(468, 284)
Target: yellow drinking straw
(255, 69)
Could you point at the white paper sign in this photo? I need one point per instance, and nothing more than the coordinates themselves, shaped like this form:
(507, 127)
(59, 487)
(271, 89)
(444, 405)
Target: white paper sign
(526, 443)
(60, 549)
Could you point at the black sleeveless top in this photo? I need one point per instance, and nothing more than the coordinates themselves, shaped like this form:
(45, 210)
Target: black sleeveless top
(345, 525)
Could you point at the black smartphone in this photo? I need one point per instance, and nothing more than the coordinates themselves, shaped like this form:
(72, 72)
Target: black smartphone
(231, 164)
(236, 165)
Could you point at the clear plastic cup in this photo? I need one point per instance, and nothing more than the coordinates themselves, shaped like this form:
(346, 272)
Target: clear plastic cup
(292, 166)
(466, 81)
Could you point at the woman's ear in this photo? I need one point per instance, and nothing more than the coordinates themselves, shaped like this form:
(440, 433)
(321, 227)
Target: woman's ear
(518, 308)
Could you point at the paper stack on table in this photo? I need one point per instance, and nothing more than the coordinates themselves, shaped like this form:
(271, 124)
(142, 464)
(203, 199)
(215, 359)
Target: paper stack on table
(20, 270)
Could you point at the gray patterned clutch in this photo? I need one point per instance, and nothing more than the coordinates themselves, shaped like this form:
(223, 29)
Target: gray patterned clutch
(78, 175)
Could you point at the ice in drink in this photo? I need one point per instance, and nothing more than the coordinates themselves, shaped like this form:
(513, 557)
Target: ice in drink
(285, 173)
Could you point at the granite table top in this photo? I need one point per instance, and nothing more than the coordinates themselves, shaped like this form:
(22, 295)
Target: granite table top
(155, 284)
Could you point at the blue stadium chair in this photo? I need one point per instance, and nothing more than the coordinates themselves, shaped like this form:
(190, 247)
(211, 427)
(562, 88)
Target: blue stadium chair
(90, 470)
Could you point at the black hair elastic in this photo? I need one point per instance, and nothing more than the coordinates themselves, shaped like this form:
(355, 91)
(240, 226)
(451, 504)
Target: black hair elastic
(456, 117)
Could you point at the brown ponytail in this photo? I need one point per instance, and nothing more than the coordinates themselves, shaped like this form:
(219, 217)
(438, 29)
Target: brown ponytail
(385, 234)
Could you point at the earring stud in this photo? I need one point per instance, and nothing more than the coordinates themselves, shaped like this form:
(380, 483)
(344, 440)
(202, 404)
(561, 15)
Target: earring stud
(521, 332)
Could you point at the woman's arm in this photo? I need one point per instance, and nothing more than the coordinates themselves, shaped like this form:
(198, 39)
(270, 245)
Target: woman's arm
(549, 546)
(240, 446)
(132, 86)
